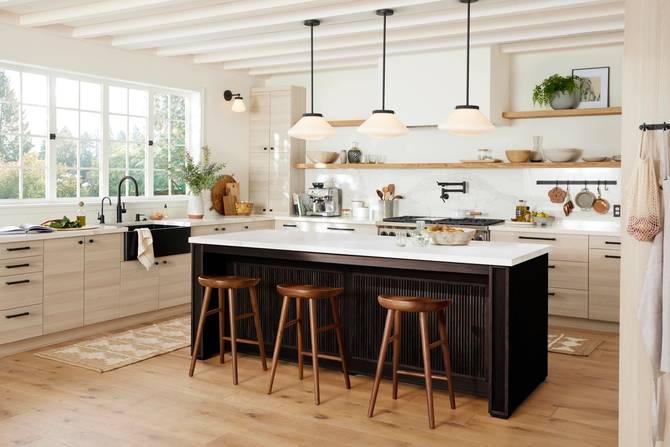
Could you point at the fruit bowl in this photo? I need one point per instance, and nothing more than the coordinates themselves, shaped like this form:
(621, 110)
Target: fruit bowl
(244, 208)
(445, 235)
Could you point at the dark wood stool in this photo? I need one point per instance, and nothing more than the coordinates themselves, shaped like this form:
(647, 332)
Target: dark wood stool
(396, 305)
(312, 294)
(230, 283)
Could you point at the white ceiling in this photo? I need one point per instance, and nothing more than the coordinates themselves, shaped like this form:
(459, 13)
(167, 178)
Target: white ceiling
(267, 36)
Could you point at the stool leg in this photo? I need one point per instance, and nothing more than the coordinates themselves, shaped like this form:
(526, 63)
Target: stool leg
(380, 361)
(340, 341)
(233, 331)
(442, 325)
(280, 334)
(396, 352)
(315, 350)
(222, 325)
(259, 330)
(198, 332)
(425, 349)
(299, 328)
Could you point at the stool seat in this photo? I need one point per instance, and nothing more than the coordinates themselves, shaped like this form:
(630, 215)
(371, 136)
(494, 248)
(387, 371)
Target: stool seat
(308, 291)
(412, 304)
(227, 282)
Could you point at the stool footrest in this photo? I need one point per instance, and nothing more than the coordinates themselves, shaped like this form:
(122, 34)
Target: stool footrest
(329, 327)
(324, 356)
(244, 316)
(292, 323)
(212, 312)
(436, 344)
(245, 341)
(404, 372)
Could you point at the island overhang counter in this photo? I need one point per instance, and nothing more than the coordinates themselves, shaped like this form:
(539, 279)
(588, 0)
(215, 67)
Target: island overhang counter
(497, 324)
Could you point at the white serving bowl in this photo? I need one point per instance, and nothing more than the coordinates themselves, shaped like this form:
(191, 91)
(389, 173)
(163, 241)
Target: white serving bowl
(562, 155)
(453, 238)
(322, 156)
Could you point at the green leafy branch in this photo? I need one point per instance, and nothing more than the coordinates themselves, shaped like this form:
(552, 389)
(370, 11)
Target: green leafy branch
(198, 176)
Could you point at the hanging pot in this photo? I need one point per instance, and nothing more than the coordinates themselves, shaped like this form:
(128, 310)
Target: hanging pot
(584, 199)
(568, 206)
(556, 194)
(600, 205)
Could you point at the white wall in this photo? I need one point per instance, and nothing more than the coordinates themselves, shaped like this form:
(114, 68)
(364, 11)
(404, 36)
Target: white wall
(424, 87)
(225, 132)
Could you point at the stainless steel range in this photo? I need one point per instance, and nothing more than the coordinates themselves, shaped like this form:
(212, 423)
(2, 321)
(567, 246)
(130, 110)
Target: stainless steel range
(394, 225)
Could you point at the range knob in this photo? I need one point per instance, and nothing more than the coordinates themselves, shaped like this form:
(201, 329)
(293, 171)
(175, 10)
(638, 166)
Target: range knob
(391, 233)
(383, 233)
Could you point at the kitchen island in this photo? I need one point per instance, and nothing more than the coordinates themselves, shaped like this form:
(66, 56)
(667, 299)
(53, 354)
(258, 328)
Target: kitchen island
(497, 324)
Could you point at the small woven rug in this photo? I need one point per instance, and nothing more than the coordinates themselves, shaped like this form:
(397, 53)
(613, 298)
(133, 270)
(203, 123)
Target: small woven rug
(125, 348)
(567, 344)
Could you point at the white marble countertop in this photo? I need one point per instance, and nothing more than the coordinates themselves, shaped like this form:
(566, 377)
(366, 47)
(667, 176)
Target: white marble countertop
(584, 227)
(481, 253)
(104, 229)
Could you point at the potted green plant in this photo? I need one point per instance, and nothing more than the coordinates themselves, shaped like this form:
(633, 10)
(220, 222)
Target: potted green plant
(560, 92)
(198, 177)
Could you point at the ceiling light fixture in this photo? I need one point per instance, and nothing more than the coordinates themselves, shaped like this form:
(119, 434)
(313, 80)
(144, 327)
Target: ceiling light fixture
(467, 120)
(238, 101)
(312, 126)
(383, 123)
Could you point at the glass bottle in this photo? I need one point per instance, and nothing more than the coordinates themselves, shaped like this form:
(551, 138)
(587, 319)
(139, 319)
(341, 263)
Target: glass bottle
(354, 155)
(81, 215)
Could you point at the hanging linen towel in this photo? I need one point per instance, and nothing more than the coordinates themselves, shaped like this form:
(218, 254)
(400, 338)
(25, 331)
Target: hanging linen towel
(644, 217)
(654, 311)
(145, 247)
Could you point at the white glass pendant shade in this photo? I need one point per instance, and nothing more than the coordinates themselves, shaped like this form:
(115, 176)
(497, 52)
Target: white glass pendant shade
(238, 106)
(383, 124)
(312, 127)
(466, 121)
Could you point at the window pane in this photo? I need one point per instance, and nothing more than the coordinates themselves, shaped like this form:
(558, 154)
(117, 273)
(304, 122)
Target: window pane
(9, 118)
(9, 180)
(115, 177)
(137, 129)
(178, 187)
(89, 183)
(139, 176)
(117, 155)
(160, 157)
(118, 127)
(34, 89)
(137, 102)
(67, 123)
(90, 125)
(88, 154)
(178, 133)
(136, 156)
(177, 156)
(90, 96)
(10, 83)
(9, 148)
(34, 120)
(66, 182)
(161, 108)
(118, 100)
(177, 107)
(34, 168)
(67, 93)
(160, 183)
(66, 153)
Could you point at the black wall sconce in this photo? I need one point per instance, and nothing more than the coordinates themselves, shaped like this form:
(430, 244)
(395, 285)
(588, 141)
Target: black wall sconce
(238, 101)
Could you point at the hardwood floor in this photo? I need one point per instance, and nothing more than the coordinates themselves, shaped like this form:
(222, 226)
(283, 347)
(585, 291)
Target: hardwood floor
(155, 403)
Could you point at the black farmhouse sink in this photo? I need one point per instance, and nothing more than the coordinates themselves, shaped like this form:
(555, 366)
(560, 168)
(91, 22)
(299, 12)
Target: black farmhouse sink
(168, 240)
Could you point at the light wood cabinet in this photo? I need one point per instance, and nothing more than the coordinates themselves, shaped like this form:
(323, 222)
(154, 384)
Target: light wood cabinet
(63, 284)
(21, 290)
(272, 178)
(604, 274)
(569, 303)
(19, 266)
(20, 323)
(564, 247)
(174, 284)
(139, 289)
(324, 227)
(14, 250)
(102, 277)
(568, 275)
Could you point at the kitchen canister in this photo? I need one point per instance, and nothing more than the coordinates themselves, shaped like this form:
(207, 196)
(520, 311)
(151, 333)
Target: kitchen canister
(387, 208)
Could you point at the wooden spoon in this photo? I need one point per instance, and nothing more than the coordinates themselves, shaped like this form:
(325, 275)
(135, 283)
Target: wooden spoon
(391, 190)
(385, 190)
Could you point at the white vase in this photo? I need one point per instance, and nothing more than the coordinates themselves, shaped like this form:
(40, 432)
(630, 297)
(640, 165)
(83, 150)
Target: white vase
(195, 206)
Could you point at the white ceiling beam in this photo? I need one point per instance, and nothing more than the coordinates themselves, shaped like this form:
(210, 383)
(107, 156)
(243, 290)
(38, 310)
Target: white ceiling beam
(425, 32)
(397, 22)
(87, 11)
(432, 45)
(325, 66)
(566, 42)
(184, 17)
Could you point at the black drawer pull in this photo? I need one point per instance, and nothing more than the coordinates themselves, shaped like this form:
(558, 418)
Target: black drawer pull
(612, 257)
(538, 238)
(18, 248)
(13, 283)
(340, 229)
(612, 243)
(22, 314)
(551, 266)
(164, 262)
(289, 226)
(551, 294)
(16, 266)
(246, 227)
(90, 241)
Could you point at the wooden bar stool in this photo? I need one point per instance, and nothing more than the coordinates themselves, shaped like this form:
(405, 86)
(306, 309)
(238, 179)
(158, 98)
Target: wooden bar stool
(312, 294)
(396, 305)
(230, 283)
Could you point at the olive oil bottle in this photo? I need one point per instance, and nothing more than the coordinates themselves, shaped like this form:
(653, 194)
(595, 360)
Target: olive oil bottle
(81, 215)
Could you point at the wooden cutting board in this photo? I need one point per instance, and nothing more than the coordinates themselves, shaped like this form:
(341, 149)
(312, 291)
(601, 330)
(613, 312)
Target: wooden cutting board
(231, 198)
(219, 191)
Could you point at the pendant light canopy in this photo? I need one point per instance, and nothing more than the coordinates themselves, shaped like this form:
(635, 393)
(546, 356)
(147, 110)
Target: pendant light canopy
(383, 123)
(312, 126)
(467, 119)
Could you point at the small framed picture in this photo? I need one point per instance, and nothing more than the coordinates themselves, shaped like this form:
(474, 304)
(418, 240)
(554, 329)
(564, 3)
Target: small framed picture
(595, 87)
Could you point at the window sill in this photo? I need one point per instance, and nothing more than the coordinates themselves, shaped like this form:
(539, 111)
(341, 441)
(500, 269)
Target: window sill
(69, 203)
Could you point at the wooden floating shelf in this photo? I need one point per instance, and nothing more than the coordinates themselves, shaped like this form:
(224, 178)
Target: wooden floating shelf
(578, 164)
(561, 113)
(346, 123)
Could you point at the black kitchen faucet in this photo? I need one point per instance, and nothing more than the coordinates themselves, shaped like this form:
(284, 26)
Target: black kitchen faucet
(121, 208)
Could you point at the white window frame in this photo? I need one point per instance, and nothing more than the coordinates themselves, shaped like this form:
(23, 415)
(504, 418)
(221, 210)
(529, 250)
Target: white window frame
(194, 111)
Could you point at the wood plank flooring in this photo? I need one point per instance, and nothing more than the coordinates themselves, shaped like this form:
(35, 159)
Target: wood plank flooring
(155, 403)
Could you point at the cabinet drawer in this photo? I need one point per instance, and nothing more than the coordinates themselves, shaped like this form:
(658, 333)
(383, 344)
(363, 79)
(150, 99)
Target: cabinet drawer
(262, 225)
(604, 274)
(174, 281)
(20, 249)
(21, 290)
(605, 242)
(19, 266)
(20, 323)
(215, 229)
(568, 303)
(568, 275)
(564, 247)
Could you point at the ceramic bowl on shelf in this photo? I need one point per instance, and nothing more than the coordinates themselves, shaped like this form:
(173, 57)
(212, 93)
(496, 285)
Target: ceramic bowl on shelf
(594, 159)
(322, 156)
(562, 155)
(518, 155)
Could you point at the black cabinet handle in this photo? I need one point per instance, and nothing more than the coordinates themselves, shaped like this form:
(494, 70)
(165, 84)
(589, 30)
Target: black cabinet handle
(156, 263)
(340, 229)
(612, 243)
(81, 242)
(551, 294)
(289, 226)
(13, 283)
(246, 227)
(90, 241)
(164, 262)
(22, 314)
(18, 248)
(551, 266)
(271, 210)
(272, 148)
(265, 148)
(538, 238)
(263, 209)
(612, 257)
(16, 266)
(216, 229)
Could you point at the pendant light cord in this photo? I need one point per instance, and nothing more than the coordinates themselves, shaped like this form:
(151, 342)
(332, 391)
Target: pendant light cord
(467, 63)
(311, 32)
(384, 68)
